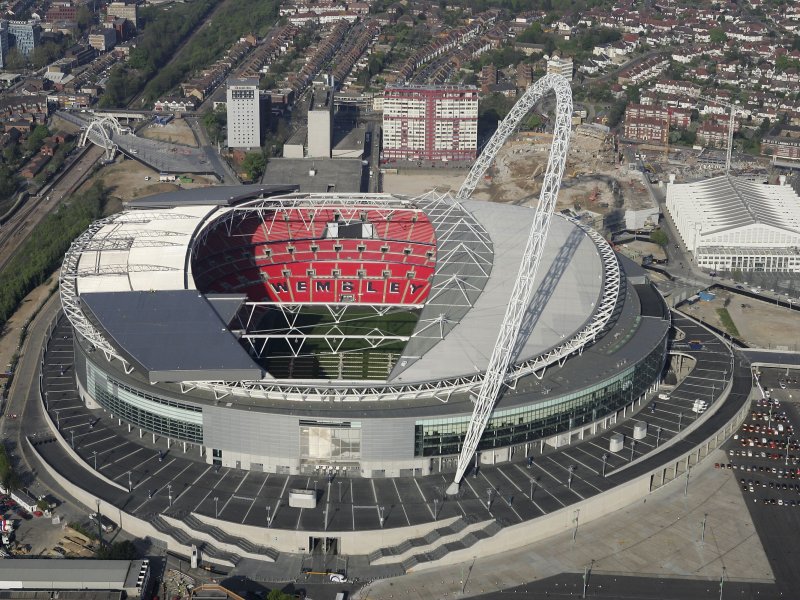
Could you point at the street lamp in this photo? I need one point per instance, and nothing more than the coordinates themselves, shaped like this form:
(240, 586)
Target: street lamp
(569, 478)
(72, 438)
(533, 482)
(686, 487)
(721, 583)
(58, 418)
(169, 493)
(658, 435)
(703, 533)
(269, 516)
(489, 498)
(605, 460)
(435, 509)
(788, 439)
(94, 453)
(633, 449)
(380, 515)
(130, 485)
(575, 520)
(216, 507)
(680, 419)
(340, 491)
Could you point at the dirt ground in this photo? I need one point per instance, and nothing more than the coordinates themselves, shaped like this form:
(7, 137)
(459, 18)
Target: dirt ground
(637, 249)
(175, 132)
(414, 183)
(126, 180)
(761, 324)
(592, 181)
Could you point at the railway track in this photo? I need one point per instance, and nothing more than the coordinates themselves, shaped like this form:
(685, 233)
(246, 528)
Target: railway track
(19, 227)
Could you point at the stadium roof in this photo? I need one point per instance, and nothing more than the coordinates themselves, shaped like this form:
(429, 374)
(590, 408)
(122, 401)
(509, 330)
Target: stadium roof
(172, 335)
(479, 249)
(725, 202)
(465, 308)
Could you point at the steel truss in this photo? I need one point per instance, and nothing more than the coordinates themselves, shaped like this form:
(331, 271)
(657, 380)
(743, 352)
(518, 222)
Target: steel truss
(104, 129)
(524, 286)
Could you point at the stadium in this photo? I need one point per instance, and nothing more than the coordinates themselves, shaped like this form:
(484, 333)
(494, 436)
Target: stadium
(294, 333)
(291, 333)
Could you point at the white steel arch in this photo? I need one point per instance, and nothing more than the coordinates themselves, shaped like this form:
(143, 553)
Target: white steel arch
(104, 127)
(524, 287)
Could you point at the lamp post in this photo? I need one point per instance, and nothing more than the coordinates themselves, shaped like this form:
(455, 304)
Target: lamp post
(569, 478)
(605, 461)
(633, 449)
(72, 438)
(703, 532)
(658, 435)
(435, 509)
(130, 484)
(216, 507)
(721, 583)
(94, 453)
(533, 482)
(381, 515)
(575, 531)
(489, 498)
(680, 419)
(269, 516)
(169, 493)
(686, 487)
(788, 439)
(340, 491)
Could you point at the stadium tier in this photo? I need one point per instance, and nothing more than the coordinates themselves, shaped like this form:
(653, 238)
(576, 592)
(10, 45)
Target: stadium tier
(288, 332)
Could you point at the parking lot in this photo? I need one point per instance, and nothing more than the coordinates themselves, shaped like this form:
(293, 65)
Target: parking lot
(764, 456)
(152, 478)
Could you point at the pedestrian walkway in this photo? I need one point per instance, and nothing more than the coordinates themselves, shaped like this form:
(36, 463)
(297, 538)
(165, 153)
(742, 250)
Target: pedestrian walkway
(660, 537)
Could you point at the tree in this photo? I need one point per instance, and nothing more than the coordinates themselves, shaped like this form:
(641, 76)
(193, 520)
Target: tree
(84, 17)
(254, 164)
(124, 550)
(278, 595)
(36, 137)
(718, 36)
(659, 237)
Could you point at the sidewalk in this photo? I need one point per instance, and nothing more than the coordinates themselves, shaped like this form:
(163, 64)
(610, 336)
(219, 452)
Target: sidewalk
(659, 537)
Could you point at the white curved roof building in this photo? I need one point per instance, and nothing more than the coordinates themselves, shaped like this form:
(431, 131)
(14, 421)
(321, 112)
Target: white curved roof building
(736, 225)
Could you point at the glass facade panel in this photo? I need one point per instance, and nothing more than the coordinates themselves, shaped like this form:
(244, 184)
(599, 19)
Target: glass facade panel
(437, 437)
(175, 420)
(330, 441)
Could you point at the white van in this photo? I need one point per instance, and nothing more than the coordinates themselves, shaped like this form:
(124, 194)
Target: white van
(663, 396)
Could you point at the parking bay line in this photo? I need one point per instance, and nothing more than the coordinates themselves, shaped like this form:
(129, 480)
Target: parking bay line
(257, 496)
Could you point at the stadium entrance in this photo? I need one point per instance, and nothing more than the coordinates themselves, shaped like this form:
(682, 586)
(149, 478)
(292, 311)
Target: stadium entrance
(323, 546)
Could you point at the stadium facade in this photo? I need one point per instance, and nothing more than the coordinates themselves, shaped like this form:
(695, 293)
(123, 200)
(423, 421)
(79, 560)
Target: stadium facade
(275, 331)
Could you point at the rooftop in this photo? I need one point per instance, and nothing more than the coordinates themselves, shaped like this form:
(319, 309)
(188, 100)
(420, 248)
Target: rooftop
(726, 202)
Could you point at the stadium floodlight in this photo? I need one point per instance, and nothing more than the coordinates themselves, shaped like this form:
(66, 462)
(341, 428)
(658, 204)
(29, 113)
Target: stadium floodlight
(524, 287)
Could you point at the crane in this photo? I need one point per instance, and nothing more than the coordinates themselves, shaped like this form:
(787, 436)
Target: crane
(734, 110)
(524, 288)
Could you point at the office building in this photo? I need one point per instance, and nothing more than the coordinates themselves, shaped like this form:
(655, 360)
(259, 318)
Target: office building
(4, 43)
(244, 112)
(320, 123)
(123, 10)
(424, 122)
(103, 40)
(24, 35)
(560, 66)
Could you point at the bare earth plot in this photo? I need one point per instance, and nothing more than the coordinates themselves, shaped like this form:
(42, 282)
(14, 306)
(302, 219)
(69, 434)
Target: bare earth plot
(174, 132)
(760, 324)
(126, 180)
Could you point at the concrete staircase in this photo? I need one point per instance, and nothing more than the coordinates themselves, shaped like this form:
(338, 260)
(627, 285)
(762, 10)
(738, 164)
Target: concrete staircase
(461, 533)
(247, 547)
(183, 538)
